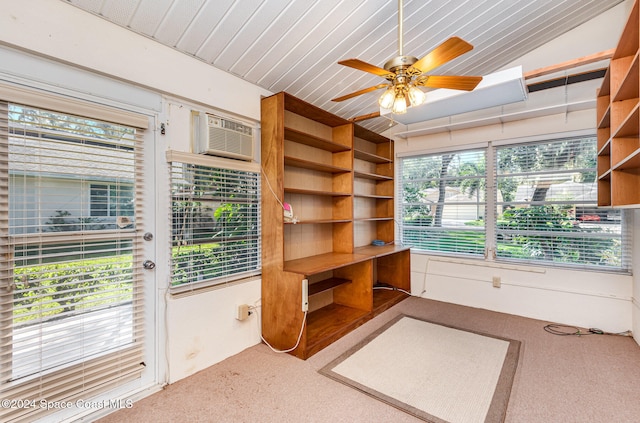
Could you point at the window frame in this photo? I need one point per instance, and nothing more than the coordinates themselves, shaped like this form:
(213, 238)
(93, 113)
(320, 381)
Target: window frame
(111, 199)
(468, 231)
(491, 224)
(581, 240)
(213, 163)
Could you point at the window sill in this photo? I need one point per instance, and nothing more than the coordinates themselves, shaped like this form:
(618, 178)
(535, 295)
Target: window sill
(202, 287)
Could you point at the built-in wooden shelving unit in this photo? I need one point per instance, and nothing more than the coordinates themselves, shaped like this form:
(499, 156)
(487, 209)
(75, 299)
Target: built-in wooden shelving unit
(338, 178)
(618, 122)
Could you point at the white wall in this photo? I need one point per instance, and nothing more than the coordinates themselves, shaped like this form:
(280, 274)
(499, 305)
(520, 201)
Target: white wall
(199, 330)
(586, 299)
(589, 299)
(201, 327)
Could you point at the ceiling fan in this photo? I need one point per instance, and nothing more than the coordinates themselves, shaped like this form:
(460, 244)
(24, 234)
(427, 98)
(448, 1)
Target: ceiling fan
(406, 73)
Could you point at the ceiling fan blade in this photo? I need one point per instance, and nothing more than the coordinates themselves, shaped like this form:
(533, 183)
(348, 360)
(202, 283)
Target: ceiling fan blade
(440, 55)
(357, 93)
(364, 66)
(465, 83)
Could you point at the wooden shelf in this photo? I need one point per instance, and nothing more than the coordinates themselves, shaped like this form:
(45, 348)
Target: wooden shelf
(629, 86)
(629, 125)
(374, 196)
(307, 164)
(372, 176)
(313, 141)
(318, 222)
(620, 151)
(370, 157)
(316, 192)
(322, 263)
(624, 187)
(369, 136)
(618, 121)
(603, 102)
(386, 298)
(628, 43)
(605, 176)
(300, 107)
(605, 87)
(604, 164)
(330, 323)
(631, 161)
(372, 219)
(606, 148)
(326, 284)
(604, 191)
(605, 121)
(382, 250)
(619, 69)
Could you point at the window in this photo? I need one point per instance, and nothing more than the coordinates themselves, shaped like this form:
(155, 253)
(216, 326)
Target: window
(110, 200)
(546, 210)
(215, 223)
(443, 202)
(70, 306)
(543, 208)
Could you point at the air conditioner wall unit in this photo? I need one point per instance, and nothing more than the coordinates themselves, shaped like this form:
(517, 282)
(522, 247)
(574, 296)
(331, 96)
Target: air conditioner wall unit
(221, 136)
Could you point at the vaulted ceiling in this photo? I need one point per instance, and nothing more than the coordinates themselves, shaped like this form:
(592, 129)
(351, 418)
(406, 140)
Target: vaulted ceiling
(294, 45)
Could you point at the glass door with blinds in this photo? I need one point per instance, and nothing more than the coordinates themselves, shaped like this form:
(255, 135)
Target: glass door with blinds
(71, 273)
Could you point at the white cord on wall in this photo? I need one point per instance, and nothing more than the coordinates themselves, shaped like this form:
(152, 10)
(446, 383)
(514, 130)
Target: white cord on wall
(295, 218)
(304, 321)
(266, 178)
(393, 288)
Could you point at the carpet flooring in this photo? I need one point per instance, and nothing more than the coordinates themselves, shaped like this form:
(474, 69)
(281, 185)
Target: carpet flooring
(563, 379)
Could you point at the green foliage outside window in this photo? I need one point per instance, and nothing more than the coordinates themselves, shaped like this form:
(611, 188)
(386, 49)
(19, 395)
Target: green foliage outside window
(544, 195)
(42, 292)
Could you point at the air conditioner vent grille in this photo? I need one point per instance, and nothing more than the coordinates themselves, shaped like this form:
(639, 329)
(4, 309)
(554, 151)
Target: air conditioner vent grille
(229, 138)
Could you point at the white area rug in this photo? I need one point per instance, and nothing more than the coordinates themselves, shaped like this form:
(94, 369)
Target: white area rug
(435, 372)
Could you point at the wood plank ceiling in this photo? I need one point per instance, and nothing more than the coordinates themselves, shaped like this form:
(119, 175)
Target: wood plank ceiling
(294, 45)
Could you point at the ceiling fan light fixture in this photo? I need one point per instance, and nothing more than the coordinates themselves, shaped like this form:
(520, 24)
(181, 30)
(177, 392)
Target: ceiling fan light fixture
(387, 98)
(416, 95)
(405, 74)
(399, 104)
(394, 98)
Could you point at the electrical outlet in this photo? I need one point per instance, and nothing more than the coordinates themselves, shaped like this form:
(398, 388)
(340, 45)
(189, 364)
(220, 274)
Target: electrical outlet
(305, 295)
(243, 312)
(497, 282)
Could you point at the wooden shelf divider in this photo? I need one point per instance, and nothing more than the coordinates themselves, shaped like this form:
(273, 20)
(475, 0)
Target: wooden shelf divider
(326, 284)
(308, 164)
(313, 141)
(363, 155)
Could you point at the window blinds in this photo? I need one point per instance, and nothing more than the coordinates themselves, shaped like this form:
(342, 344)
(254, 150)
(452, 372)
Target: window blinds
(215, 221)
(443, 202)
(71, 309)
(543, 205)
(546, 210)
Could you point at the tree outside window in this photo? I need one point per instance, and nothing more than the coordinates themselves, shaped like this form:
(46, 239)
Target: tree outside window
(545, 205)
